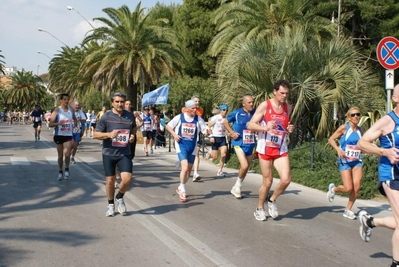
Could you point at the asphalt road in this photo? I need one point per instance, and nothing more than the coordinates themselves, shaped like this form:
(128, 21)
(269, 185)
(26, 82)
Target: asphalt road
(44, 222)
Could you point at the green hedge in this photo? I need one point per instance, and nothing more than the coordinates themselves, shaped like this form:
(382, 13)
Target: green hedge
(325, 168)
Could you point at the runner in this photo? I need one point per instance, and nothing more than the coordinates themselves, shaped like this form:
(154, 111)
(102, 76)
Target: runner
(93, 122)
(88, 122)
(81, 120)
(271, 121)
(185, 130)
(386, 131)
(218, 138)
(48, 117)
(62, 119)
(147, 128)
(349, 160)
(36, 117)
(115, 129)
(243, 139)
(155, 126)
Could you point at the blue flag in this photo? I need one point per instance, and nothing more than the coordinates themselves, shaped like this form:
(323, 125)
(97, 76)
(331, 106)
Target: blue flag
(157, 97)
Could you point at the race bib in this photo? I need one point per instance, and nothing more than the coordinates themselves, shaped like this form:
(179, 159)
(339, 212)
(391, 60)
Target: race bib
(274, 138)
(122, 139)
(248, 137)
(66, 126)
(147, 127)
(188, 130)
(37, 119)
(352, 153)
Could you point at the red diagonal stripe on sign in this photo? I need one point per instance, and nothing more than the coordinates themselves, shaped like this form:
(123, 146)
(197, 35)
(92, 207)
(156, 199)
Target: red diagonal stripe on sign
(390, 52)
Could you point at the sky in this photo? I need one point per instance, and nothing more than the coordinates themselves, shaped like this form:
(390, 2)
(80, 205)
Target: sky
(20, 39)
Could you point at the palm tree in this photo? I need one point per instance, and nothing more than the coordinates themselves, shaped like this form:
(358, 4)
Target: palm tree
(25, 89)
(2, 64)
(135, 51)
(242, 20)
(65, 75)
(320, 74)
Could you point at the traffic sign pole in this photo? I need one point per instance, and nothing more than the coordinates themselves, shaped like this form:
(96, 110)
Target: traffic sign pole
(389, 85)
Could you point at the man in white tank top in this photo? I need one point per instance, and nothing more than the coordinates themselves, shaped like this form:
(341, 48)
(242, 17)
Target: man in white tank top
(63, 119)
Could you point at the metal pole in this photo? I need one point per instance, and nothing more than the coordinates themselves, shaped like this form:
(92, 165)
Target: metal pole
(339, 17)
(312, 154)
(37, 74)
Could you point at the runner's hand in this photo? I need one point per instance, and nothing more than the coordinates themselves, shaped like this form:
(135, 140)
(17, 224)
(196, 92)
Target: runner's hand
(131, 138)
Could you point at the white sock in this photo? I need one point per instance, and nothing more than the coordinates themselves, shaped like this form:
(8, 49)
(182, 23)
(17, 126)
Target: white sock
(239, 182)
(182, 188)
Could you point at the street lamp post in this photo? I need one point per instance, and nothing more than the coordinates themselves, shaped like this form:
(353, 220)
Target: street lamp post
(71, 8)
(44, 54)
(41, 30)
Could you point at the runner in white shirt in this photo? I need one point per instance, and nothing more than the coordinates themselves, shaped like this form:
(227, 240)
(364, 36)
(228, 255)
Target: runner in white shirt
(81, 119)
(218, 138)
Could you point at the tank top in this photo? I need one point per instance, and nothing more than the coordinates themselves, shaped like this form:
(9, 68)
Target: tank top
(218, 129)
(147, 127)
(188, 132)
(387, 171)
(66, 118)
(274, 141)
(348, 143)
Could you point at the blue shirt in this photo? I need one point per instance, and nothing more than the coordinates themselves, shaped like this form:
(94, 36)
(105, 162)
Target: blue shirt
(240, 119)
(387, 171)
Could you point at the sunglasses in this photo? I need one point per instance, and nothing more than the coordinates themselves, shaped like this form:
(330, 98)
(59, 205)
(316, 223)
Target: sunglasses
(223, 109)
(355, 114)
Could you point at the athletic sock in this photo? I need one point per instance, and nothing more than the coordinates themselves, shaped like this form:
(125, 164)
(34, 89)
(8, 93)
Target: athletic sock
(119, 195)
(182, 187)
(111, 201)
(239, 182)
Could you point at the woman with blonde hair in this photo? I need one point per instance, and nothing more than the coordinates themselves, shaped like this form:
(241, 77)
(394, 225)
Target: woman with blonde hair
(349, 160)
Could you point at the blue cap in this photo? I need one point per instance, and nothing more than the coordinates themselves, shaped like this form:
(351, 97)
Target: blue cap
(224, 106)
(189, 103)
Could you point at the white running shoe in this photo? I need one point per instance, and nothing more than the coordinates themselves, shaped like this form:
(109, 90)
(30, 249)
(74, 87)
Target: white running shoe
(273, 211)
(349, 214)
(110, 210)
(220, 173)
(236, 191)
(120, 203)
(177, 164)
(260, 215)
(60, 176)
(72, 160)
(330, 193)
(364, 229)
(182, 195)
(66, 176)
(196, 177)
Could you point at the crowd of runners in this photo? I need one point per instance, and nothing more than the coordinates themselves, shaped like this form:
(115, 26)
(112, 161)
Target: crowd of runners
(260, 132)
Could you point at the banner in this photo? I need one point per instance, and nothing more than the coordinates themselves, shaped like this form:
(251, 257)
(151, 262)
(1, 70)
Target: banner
(157, 97)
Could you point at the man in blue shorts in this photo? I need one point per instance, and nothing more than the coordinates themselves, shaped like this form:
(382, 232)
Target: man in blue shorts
(185, 129)
(386, 130)
(115, 129)
(243, 139)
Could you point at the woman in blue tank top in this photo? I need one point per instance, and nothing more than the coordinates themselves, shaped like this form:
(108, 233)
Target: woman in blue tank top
(349, 160)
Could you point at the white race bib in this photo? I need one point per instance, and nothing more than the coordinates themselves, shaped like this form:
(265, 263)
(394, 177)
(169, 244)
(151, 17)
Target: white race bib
(248, 137)
(188, 130)
(274, 138)
(122, 139)
(352, 153)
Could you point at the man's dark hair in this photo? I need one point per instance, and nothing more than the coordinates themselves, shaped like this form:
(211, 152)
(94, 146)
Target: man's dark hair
(282, 83)
(62, 95)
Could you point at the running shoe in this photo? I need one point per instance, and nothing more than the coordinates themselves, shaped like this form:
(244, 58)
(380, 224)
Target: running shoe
(220, 173)
(273, 211)
(196, 177)
(182, 195)
(260, 214)
(60, 176)
(66, 176)
(110, 210)
(151, 151)
(72, 160)
(177, 164)
(330, 193)
(236, 191)
(120, 203)
(364, 229)
(349, 214)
